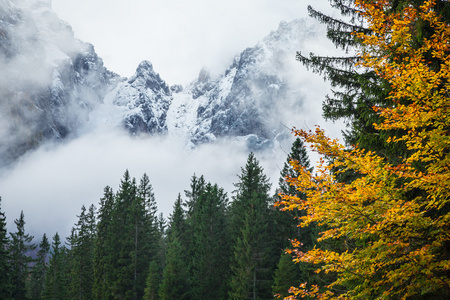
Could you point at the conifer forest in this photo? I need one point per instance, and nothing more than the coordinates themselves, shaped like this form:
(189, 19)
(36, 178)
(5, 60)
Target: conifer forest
(370, 221)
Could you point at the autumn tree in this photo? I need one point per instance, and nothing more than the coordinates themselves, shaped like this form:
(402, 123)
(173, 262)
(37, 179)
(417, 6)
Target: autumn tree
(395, 211)
(287, 222)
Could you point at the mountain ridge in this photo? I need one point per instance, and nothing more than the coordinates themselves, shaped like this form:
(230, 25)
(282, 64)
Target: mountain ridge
(74, 92)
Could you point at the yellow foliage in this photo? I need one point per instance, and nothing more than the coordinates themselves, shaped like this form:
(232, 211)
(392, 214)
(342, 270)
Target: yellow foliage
(399, 213)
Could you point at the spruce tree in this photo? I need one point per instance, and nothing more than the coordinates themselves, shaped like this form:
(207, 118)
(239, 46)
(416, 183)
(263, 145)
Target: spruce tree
(39, 271)
(300, 156)
(286, 276)
(20, 258)
(252, 228)
(156, 266)
(152, 257)
(288, 221)
(192, 195)
(355, 90)
(243, 279)
(128, 239)
(176, 281)
(153, 282)
(210, 251)
(104, 247)
(123, 231)
(5, 267)
(57, 278)
(175, 284)
(146, 234)
(82, 253)
(288, 225)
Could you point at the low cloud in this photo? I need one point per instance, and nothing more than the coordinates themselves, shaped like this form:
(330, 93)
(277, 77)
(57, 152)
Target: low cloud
(51, 184)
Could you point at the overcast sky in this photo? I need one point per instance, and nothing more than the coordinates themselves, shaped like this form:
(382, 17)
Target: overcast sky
(179, 37)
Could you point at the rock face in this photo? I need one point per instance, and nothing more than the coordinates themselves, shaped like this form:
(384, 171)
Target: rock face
(248, 100)
(49, 81)
(145, 98)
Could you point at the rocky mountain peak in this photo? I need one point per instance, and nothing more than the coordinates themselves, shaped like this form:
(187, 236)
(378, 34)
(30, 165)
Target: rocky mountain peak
(203, 84)
(144, 99)
(145, 69)
(147, 78)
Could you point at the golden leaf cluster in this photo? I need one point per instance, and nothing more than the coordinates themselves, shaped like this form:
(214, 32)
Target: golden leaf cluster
(397, 214)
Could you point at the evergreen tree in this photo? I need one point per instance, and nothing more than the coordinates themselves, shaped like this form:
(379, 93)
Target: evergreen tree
(20, 259)
(355, 90)
(177, 221)
(210, 251)
(39, 271)
(104, 247)
(123, 240)
(192, 195)
(253, 228)
(286, 276)
(56, 280)
(146, 234)
(153, 281)
(175, 283)
(156, 267)
(243, 281)
(128, 239)
(288, 224)
(287, 221)
(82, 251)
(154, 247)
(5, 267)
(299, 155)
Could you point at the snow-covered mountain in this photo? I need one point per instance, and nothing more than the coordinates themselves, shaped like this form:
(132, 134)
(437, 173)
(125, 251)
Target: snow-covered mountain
(247, 101)
(144, 100)
(49, 80)
(54, 86)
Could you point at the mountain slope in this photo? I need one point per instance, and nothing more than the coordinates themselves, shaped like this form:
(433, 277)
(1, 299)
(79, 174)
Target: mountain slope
(250, 98)
(49, 82)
